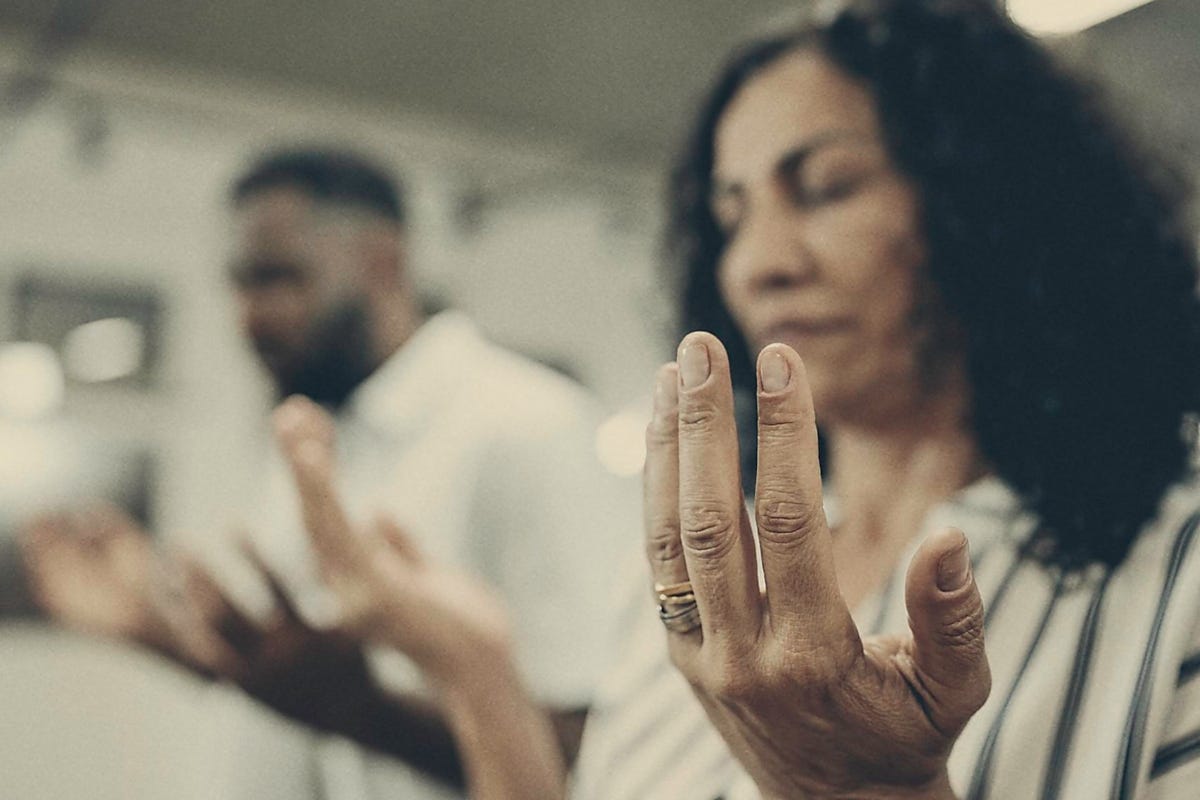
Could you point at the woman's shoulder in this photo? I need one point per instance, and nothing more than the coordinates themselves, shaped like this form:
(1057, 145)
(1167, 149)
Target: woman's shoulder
(1180, 502)
(1166, 546)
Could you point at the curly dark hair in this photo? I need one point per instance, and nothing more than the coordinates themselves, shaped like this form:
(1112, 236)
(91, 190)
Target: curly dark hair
(1060, 248)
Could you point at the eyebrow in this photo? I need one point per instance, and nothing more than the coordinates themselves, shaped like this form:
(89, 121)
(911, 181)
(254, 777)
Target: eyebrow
(794, 158)
(260, 271)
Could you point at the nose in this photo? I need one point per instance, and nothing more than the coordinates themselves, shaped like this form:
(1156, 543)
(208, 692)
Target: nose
(254, 318)
(768, 250)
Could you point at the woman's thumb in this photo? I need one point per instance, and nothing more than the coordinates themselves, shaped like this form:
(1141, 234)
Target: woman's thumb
(945, 612)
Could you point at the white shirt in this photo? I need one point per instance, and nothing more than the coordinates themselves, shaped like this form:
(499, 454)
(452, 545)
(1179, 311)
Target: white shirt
(1096, 681)
(487, 460)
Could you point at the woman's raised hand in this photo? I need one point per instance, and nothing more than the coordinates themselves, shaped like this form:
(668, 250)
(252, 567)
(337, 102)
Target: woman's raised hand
(809, 707)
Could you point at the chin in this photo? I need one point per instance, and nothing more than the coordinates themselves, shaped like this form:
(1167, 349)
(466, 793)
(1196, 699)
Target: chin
(825, 406)
(838, 392)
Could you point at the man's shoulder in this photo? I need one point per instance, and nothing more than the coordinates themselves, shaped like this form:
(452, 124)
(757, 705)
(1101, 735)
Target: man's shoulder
(503, 384)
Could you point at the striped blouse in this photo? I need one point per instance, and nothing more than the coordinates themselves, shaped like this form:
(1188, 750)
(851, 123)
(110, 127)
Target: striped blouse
(1096, 677)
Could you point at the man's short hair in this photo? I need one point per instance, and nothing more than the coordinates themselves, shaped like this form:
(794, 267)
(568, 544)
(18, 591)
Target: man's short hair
(337, 177)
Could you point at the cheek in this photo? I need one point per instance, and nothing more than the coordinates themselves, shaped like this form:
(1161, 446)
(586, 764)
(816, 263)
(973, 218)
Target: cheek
(874, 253)
(867, 243)
(289, 313)
(733, 287)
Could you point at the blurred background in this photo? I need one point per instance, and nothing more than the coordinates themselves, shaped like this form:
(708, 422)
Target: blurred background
(533, 138)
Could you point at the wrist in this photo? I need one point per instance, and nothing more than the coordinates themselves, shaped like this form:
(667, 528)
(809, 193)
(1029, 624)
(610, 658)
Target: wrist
(475, 675)
(466, 666)
(525, 759)
(937, 788)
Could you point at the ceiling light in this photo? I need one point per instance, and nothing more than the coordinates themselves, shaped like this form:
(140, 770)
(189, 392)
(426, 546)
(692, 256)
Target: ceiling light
(621, 442)
(1057, 17)
(39, 462)
(31, 381)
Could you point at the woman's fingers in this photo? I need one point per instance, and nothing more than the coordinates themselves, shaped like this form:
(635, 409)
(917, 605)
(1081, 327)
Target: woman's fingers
(660, 482)
(660, 509)
(718, 547)
(946, 615)
(797, 553)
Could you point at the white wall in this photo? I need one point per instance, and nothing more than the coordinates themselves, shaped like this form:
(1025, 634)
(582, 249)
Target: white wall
(561, 264)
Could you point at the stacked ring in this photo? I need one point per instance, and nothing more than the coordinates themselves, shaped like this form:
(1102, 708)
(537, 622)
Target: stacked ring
(677, 607)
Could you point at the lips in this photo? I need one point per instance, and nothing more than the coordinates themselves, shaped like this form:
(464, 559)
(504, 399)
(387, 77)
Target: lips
(806, 328)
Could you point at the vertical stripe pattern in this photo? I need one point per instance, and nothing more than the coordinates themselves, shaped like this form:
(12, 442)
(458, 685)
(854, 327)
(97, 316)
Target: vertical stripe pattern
(1126, 777)
(1096, 683)
(1065, 730)
(983, 767)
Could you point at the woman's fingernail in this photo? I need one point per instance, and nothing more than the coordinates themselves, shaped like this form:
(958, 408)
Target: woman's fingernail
(954, 569)
(773, 371)
(693, 365)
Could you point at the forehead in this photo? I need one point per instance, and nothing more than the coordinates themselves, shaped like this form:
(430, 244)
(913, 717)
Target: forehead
(798, 100)
(273, 220)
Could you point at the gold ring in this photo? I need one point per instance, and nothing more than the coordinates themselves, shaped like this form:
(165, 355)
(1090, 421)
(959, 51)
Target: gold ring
(672, 589)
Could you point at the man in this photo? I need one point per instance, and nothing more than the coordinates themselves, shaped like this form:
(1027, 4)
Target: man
(485, 458)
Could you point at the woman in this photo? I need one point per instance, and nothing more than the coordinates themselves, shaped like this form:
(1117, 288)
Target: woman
(984, 284)
(994, 303)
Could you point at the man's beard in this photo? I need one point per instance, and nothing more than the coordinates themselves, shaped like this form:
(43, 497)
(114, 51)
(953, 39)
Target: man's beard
(337, 357)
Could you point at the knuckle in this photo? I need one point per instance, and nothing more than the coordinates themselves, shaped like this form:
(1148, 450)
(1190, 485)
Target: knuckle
(810, 672)
(806, 677)
(769, 685)
(777, 426)
(707, 528)
(660, 433)
(782, 518)
(779, 417)
(734, 682)
(698, 419)
(731, 687)
(962, 629)
(751, 683)
(662, 542)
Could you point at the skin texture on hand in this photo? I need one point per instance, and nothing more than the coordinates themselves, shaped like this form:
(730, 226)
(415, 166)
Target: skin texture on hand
(450, 624)
(809, 707)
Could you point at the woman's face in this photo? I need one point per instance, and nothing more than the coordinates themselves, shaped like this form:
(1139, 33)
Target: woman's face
(824, 250)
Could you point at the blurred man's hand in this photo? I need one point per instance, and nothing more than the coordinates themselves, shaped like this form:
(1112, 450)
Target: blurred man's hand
(99, 573)
(301, 671)
(93, 571)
